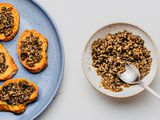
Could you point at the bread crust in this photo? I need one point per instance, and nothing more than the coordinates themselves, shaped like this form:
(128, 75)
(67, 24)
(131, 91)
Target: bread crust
(21, 107)
(12, 67)
(16, 22)
(43, 63)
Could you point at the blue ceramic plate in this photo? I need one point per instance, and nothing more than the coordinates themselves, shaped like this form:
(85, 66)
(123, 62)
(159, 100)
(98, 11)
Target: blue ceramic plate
(32, 16)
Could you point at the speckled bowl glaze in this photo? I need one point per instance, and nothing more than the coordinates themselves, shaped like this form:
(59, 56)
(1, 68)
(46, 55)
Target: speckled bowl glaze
(91, 74)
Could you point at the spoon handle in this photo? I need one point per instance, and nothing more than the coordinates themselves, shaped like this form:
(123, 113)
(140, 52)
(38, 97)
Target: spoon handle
(150, 90)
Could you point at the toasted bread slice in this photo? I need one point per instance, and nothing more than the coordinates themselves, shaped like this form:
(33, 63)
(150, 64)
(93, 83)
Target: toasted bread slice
(16, 20)
(38, 66)
(17, 108)
(11, 69)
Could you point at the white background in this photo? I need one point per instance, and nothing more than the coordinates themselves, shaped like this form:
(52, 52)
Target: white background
(77, 20)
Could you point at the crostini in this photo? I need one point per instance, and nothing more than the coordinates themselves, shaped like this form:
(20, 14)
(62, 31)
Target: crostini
(15, 94)
(8, 68)
(9, 21)
(32, 50)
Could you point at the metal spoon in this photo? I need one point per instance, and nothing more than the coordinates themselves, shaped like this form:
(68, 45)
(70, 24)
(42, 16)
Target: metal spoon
(132, 76)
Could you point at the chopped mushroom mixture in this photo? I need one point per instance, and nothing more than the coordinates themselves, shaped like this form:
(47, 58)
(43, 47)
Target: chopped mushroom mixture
(31, 48)
(109, 55)
(3, 66)
(6, 21)
(16, 93)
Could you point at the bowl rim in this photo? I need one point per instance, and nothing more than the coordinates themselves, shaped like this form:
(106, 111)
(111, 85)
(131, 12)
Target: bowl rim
(111, 24)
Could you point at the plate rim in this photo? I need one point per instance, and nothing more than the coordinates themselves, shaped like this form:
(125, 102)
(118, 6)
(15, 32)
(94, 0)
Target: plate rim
(36, 2)
(108, 25)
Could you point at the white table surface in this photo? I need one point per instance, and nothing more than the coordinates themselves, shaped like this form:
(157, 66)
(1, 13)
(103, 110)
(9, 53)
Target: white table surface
(77, 20)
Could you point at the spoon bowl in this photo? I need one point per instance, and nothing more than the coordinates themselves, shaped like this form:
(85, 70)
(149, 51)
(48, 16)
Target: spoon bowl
(131, 74)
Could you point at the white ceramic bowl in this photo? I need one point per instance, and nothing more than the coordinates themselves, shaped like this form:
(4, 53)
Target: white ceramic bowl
(91, 74)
